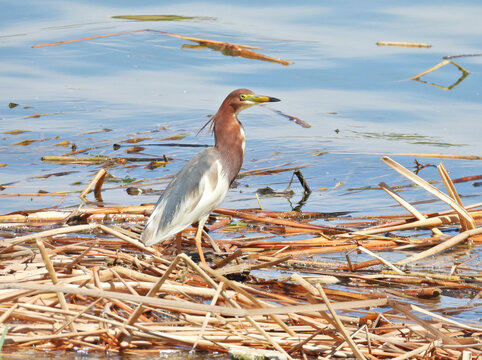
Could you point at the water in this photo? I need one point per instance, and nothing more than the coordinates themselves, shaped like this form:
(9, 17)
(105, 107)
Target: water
(356, 95)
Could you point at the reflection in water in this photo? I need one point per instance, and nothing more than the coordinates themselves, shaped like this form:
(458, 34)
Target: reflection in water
(438, 66)
(229, 49)
(306, 190)
(464, 75)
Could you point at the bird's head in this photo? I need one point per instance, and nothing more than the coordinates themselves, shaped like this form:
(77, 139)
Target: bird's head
(237, 101)
(241, 99)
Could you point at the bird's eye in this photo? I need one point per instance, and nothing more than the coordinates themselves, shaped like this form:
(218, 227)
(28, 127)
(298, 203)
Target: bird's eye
(243, 97)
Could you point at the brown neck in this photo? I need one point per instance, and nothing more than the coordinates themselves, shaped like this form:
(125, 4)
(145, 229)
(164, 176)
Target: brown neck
(229, 140)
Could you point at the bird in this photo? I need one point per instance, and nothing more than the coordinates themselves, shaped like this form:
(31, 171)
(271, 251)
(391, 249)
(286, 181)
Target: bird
(202, 184)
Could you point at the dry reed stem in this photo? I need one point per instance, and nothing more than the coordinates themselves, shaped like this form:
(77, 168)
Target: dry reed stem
(387, 263)
(208, 315)
(138, 311)
(404, 309)
(428, 187)
(444, 319)
(39, 338)
(419, 350)
(340, 326)
(130, 240)
(181, 306)
(48, 233)
(407, 206)
(313, 291)
(53, 276)
(241, 291)
(98, 180)
(205, 40)
(253, 217)
(466, 225)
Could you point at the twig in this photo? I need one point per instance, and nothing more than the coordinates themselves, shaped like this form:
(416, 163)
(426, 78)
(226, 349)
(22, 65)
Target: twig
(358, 354)
(425, 324)
(53, 276)
(138, 311)
(206, 319)
(415, 352)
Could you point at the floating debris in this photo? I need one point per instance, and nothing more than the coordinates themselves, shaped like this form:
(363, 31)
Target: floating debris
(15, 132)
(160, 17)
(403, 44)
(226, 48)
(94, 284)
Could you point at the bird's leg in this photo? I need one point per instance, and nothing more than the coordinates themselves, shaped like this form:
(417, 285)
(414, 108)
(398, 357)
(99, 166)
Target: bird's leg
(178, 242)
(198, 238)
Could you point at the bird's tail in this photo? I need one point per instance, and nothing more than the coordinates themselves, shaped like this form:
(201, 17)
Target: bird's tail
(148, 235)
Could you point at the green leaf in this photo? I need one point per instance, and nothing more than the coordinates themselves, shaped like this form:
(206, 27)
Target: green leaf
(2, 338)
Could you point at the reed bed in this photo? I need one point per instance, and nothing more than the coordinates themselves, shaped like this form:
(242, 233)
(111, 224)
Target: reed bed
(79, 278)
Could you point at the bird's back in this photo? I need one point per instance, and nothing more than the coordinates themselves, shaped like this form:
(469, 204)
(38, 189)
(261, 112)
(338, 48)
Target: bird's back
(195, 191)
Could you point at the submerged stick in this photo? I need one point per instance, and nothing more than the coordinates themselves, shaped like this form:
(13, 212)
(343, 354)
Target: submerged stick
(441, 247)
(430, 222)
(254, 217)
(47, 233)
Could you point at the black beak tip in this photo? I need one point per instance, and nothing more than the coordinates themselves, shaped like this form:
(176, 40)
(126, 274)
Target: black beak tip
(273, 99)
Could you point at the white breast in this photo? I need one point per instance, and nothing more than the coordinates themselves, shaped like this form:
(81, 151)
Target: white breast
(243, 143)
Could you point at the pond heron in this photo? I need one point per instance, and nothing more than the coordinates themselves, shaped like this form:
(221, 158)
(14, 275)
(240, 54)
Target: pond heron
(203, 182)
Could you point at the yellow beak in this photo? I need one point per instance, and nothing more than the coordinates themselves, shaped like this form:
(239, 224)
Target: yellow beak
(260, 98)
